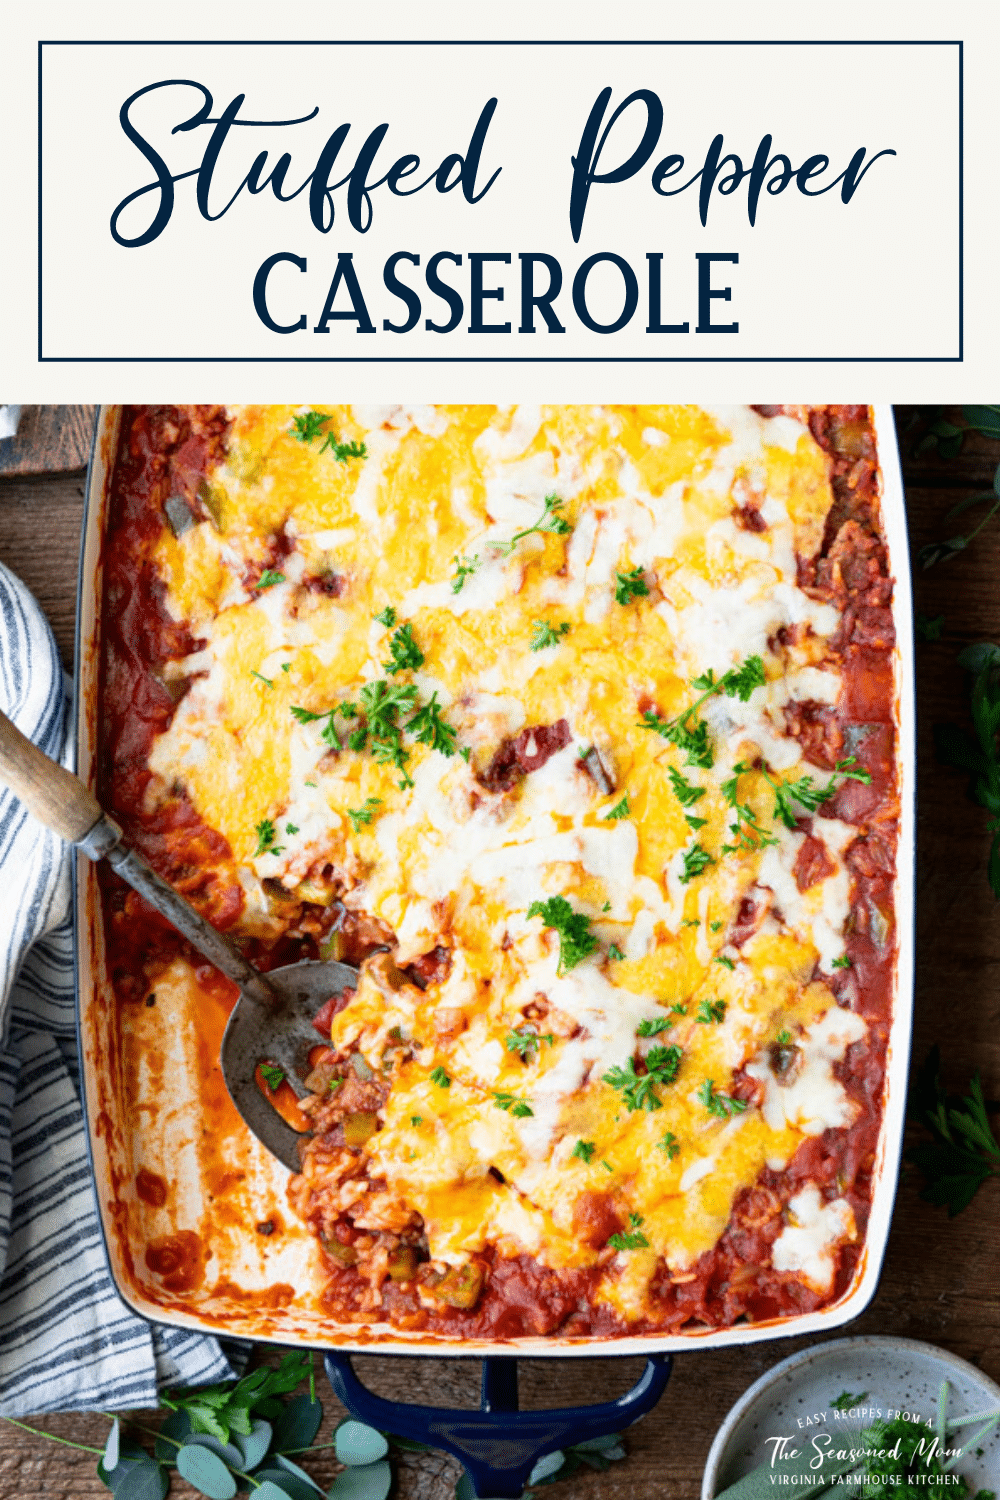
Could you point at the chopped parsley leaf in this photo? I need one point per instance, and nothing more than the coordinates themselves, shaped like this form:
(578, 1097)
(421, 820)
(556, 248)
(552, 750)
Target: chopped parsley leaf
(363, 815)
(694, 823)
(519, 1108)
(465, 752)
(544, 635)
(416, 1120)
(726, 963)
(630, 586)
(606, 906)
(387, 617)
(748, 833)
(356, 739)
(620, 810)
(668, 1144)
(272, 1075)
(464, 567)
(696, 859)
(715, 926)
(638, 1089)
(691, 922)
(843, 962)
(267, 681)
(679, 1009)
(606, 1165)
(406, 654)
(807, 794)
(711, 1012)
(634, 1240)
(266, 835)
(686, 794)
(738, 682)
(583, 1150)
(615, 952)
(286, 666)
(343, 451)
(723, 1106)
(525, 1043)
(291, 829)
(306, 715)
(784, 1038)
(653, 1028)
(268, 579)
(547, 521)
(428, 728)
(576, 941)
(845, 1400)
(440, 1077)
(310, 425)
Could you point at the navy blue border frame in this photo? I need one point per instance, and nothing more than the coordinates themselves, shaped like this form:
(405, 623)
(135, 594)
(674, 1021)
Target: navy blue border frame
(611, 359)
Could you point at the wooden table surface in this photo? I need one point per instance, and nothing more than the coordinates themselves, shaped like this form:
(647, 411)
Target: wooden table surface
(940, 1281)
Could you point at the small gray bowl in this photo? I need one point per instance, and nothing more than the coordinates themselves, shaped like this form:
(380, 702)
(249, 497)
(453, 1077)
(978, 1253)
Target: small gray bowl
(902, 1374)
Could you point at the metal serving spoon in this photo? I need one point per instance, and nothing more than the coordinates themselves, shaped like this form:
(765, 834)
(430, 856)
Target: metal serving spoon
(272, 1019)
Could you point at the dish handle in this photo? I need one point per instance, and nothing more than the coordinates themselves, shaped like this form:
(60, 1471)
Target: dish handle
(499, 1445)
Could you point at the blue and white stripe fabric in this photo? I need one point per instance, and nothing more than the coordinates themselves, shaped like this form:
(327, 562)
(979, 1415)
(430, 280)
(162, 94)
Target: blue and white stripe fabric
(67, 1341)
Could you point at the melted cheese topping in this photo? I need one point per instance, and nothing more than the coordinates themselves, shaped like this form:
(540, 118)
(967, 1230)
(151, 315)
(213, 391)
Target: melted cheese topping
(446, 862)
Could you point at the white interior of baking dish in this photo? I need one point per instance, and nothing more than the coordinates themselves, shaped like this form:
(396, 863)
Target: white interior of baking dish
(144, 1117)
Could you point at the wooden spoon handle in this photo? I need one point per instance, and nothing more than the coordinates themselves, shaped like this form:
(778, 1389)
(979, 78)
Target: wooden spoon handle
(55, 796)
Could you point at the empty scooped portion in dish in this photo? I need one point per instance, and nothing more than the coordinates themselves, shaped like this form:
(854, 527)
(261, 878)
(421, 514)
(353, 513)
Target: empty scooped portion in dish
(575, 727)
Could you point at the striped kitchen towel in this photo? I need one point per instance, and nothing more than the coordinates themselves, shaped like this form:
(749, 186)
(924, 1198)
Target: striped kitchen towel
(67, 1341)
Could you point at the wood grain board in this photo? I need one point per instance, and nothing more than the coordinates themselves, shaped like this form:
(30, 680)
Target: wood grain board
(49, 440)
(940, 1280)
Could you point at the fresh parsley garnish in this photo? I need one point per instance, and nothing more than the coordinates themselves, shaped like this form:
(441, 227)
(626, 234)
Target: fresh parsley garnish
(805, 792)
(272, 1075)
(691, 922)
(749, 834)
(669, 1145)
(620, 810)
(440, 1077)
(692, 738)
(464, 568)
(653, 1028)
(843, 962)
(963, 1151)
(576, 941)
(679, 1008)
(723, 1106)
(382, 702)
(363, 815)
(519, 1108)
(715, 926)
(615, 952)
(686, 794)
(526, 1043)
(387, 617)
(711, 1012)
(583, 1150)
(266, 835)
(726, 963)
(269, 578)
(406, 655)
(416, 1120)
(634, 1239)
(696, 859)
(267, 681)
(291, 829)
(428, 728)
(638, 1090)
(342, 451)
(544, 635)
(784, 1038)
(310, 425)
(630, 586)
(845, 1400)
(549, 520)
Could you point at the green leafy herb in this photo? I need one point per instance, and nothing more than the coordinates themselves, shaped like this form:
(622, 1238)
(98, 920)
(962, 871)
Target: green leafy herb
(583, 1150)
(464, 567)
(977, 754)
(940, 551)
(638, 1090)
(715, 926)
(286, 666)
(630, 586)
(406, 655)
(653, 1028)
(724, 1106)
(306, 715)
(686, 794)
(440, 1077)
(691, 738)
(784, 1038)
(807, 794)
(526, 1043)
(620, 810)
(266, 835)
(272, 1075)
(549, 520)
(711, 1012)
(363, 815)
(694, 823)
(267, 681)
(387, 617)
(382, 702)
(749, 835)
(928, 629)
(726, 963)
(519, 1108)
(576, 941)
(291, 829)
(696, 859)
(845, 1400)
(679, 1008)
(544, 635)
(615, 952)
(416, 1120)
(342, 451)
(634, 1239)
(843, 962)
(428, 727)
(310, 425)
(691, 922)
(669, 1145)
(269, 578)
(465, 752)
(963, 1151)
